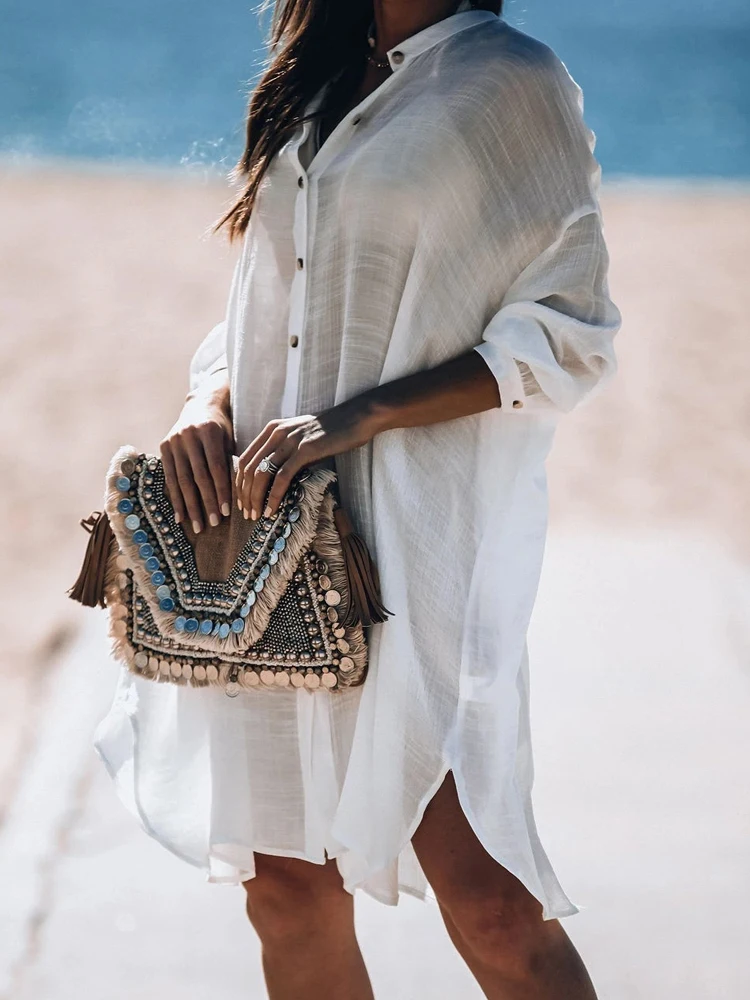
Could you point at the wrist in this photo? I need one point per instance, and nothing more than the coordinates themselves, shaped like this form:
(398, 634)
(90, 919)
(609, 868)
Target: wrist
(212, 390)
(374, 415)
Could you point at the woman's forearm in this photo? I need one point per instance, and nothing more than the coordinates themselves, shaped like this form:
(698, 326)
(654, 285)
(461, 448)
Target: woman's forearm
(457, 388)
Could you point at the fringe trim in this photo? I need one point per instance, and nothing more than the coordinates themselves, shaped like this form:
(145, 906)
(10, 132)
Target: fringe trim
(327, 545)
(300, 540)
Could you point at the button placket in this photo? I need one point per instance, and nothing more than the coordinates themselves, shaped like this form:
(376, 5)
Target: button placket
(298, 289)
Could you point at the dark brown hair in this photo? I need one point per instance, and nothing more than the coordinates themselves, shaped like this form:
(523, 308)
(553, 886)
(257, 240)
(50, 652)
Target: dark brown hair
(311, 42)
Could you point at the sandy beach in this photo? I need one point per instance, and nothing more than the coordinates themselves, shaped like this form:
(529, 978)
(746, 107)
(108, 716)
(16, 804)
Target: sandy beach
(107, 283)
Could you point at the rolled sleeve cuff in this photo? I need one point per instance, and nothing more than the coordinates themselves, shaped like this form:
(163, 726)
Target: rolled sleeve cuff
(219, 366)
(507, 375)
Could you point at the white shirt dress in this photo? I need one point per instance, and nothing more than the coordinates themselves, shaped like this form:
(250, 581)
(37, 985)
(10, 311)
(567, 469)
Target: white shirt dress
(455, 208)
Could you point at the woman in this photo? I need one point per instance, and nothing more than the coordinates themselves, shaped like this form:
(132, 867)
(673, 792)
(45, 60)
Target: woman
(422, 290)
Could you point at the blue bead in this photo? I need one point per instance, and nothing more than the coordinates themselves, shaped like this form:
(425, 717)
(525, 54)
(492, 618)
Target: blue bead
(132, 522)
(280, 544)
(140, 537)
(158, 578)
(217, 628)
(191, 625)
(163, 591)
(123, 484)
(167, 604)
(224, 630)
(125, 506)
(207, 626)
(179, 623)
(238, 624)
(245, 610)
(145, 550)
(152, 564)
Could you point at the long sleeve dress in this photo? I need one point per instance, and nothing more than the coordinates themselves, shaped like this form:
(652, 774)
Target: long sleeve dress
(455, 208)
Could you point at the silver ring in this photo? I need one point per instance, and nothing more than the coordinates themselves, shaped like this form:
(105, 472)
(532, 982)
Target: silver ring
(266, 465)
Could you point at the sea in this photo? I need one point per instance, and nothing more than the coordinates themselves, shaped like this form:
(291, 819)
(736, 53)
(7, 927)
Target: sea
(164, 82)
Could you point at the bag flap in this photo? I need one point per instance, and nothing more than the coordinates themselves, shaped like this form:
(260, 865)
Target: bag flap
(223, 583)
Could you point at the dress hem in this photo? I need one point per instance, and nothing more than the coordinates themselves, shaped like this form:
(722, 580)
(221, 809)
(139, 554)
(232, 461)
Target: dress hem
(204, 864)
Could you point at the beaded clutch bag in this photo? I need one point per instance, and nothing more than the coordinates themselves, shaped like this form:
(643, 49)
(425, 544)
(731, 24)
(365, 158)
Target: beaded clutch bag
(281, 602)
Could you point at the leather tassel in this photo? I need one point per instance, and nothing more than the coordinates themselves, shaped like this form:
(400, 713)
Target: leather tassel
(365, 603)
(89, 587)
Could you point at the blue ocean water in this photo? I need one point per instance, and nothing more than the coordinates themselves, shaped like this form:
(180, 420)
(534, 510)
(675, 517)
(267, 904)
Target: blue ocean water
(666, 85)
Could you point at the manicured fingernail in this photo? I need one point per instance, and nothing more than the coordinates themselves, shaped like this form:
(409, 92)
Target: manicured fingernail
(254, 514)
(267, 512)
(225, 509)
(239, 505)
(213, 520)
(245, 514)
(177, 517)
(197, 527)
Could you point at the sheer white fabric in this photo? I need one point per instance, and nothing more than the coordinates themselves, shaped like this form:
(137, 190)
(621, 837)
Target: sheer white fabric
(455, 208)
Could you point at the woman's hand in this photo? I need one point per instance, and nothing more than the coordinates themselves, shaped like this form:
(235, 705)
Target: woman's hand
(196, 455)
(293, 443)
(457, 388)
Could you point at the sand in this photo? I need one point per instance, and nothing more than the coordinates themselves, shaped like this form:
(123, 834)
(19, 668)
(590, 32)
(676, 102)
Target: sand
(109, 281)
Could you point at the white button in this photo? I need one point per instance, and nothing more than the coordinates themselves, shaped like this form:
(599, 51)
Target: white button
(300, 182)
(293, 340)
(397, 57)
(300, 263)
(517, 404)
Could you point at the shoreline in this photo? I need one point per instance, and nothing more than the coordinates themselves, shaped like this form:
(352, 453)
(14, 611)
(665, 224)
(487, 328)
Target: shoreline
(219, 173)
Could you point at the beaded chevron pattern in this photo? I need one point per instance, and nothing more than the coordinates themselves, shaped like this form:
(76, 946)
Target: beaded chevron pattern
(272, 623)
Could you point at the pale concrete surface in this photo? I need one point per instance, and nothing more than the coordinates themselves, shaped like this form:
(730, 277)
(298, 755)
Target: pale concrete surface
(641, 699)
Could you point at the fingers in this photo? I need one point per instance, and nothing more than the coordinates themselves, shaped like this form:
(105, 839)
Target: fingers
(255, 448)
(254, 483)
(173, 487)
(289, 445)
(203, 480)
(189, 489)
(196, 470)
(216, 448)
(260, 481)
(282, 481)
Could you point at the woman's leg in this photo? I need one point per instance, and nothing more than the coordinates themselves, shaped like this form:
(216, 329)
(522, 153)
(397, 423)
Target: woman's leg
(492, 919)
(305, 921)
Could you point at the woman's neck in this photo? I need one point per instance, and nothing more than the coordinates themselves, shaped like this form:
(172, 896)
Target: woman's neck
(396, 20)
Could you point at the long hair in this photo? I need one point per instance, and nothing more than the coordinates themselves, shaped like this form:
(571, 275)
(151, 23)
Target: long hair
(311, 42)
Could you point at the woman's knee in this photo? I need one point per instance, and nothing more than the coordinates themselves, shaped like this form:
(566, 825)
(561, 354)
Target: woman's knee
(292, 902)
(503, 929)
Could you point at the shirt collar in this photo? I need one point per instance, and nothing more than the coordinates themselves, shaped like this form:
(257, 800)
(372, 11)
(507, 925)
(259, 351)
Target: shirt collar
(427, 38)
(403, 53)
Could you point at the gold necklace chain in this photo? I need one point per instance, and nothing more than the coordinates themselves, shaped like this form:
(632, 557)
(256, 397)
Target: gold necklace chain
(373, 59)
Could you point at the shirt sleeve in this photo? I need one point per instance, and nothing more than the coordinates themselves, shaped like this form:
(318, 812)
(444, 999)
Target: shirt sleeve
(210, 356)
(550, 342)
